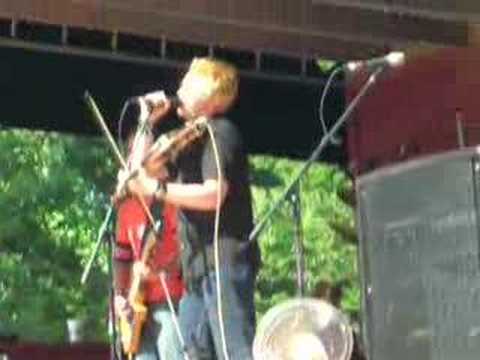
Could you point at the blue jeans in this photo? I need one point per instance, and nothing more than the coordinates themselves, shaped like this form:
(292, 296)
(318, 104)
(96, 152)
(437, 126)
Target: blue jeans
(159, 338)
(199, 315)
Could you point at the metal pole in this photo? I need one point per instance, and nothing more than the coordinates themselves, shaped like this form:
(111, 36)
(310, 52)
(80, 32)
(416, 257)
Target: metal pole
(299, 247)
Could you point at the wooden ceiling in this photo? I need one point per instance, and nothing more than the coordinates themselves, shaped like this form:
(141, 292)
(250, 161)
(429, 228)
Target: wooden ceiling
(263, 32)
(305, 29)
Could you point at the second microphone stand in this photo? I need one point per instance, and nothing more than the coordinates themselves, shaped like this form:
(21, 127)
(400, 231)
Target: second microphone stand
(292, 190)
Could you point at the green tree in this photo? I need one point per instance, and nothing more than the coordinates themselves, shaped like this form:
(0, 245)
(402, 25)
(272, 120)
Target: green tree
(51, 194)
(330, 255)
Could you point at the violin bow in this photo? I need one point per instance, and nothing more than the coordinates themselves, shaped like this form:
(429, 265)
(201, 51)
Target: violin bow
(103, 126)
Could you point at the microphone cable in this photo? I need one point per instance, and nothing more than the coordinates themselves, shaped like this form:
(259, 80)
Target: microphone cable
(216, 245)
(125, 106)
(328, 84)
(171, 307)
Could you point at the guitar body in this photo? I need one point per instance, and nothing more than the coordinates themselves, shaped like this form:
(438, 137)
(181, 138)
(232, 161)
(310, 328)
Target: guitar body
(131, 322)
(131, 328)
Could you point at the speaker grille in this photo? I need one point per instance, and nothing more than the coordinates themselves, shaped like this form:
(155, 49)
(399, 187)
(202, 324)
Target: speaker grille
(419, 259)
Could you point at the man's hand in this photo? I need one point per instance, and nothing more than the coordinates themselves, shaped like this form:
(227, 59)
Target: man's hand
(160, 108)
(121, 188)
(142, 184)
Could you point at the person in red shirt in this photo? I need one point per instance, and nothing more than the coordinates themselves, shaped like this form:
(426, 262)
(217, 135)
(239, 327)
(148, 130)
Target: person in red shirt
(159, 338)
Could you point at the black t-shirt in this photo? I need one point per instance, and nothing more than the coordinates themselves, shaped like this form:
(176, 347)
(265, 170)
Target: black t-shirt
(197, 164)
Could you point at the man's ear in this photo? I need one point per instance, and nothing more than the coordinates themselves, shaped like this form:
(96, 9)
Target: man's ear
(213, 107)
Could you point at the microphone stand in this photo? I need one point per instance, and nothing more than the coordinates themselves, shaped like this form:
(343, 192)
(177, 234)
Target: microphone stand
(294, 198)
(294, 184)
(105, 236)
(103, 231)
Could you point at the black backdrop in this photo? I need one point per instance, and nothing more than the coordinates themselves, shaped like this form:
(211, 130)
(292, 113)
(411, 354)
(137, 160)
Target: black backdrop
(43, 90)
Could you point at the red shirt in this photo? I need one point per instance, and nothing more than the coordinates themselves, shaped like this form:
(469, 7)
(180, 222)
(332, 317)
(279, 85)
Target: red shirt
(131, 225)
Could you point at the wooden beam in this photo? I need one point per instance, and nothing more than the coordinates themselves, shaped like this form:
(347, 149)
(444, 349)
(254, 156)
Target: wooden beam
(459, 10)
(474, 34)
(322, 29)
(395, 28)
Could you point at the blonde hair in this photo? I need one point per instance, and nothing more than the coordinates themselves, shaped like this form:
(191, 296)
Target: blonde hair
(220, 80)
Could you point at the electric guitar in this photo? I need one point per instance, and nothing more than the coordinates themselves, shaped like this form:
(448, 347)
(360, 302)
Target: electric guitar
(131, 322)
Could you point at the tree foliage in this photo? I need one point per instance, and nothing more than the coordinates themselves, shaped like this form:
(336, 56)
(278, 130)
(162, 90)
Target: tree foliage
(330, 256)
(53, 196)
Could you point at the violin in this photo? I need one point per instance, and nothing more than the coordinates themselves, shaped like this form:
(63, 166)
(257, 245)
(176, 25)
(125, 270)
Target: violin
(166, 148)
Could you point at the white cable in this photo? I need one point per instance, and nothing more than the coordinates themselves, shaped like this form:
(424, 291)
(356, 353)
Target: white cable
(140, 139)
(174, 315)
(215, 245)
(333, 140)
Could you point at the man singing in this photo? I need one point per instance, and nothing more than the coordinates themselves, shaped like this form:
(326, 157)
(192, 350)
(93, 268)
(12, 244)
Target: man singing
(212, 173)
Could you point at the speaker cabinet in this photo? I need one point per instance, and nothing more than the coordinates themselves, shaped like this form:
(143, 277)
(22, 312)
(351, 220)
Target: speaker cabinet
(418, 225)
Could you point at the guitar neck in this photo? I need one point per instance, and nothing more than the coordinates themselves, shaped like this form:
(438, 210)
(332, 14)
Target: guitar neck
(137, 281)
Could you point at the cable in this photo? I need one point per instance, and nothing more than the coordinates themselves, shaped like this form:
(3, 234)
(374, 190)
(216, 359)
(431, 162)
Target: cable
(215, 244)
(333, 140)
(126, 104)
(141, 137)
(174, 315)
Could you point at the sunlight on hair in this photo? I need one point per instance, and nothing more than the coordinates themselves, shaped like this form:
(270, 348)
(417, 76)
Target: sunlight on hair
(218, 79)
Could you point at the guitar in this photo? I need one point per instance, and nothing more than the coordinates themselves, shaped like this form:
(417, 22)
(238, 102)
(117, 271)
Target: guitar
(131, 322)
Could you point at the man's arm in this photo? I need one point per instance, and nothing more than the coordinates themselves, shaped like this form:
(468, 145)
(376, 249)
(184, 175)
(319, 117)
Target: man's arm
(201, 196)
(195, 196)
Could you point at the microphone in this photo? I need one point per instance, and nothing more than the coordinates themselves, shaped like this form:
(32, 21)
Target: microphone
(155, 98)
(145, 103)
(393, 59)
